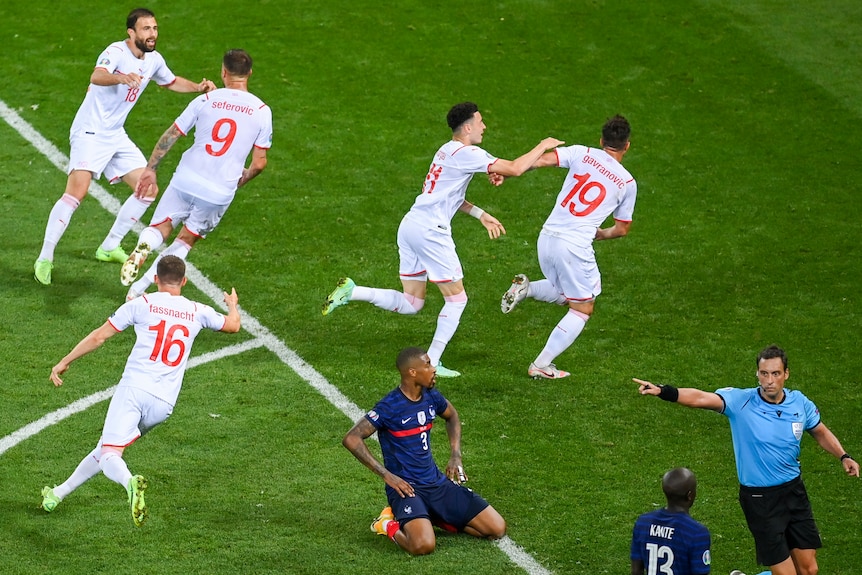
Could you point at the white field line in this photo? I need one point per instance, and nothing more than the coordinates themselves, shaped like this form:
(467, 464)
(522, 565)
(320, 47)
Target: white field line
(263, 338)
(80, 405)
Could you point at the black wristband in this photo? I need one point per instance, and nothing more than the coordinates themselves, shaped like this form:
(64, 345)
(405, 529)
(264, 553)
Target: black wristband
(846, 456)
(668, 393)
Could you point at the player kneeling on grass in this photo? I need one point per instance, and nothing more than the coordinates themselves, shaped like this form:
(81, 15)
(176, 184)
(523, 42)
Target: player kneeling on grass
(420, 496)
(166, 325)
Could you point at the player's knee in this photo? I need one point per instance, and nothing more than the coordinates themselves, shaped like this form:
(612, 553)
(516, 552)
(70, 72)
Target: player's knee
(498, 529)
(423, 545)
(415, 304)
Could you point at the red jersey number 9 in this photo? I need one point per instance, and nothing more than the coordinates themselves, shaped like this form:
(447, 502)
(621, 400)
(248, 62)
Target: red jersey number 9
(225, 140)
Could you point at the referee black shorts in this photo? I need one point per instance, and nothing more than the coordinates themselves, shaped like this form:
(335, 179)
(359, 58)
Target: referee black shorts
(780, 519)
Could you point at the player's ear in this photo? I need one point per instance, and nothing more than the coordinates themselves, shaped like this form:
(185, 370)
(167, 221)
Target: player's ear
(183, 283)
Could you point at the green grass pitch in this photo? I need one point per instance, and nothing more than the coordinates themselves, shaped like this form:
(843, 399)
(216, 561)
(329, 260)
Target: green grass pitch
(746, 118)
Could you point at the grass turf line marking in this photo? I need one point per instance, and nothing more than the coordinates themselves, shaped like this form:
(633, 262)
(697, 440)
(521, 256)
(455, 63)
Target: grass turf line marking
(263, 338)
(77, 406)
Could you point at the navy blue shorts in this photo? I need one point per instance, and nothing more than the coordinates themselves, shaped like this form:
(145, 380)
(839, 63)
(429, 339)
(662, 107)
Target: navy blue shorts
(780, 519)
(446, 504)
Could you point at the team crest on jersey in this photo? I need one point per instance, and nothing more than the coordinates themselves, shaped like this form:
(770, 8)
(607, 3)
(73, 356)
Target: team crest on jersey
(421, 417)
(372, 415)
(104, 62)
(408, 510)
(797, 430)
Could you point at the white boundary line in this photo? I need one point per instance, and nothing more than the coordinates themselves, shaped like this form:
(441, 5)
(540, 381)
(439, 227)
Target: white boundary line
(263, 338)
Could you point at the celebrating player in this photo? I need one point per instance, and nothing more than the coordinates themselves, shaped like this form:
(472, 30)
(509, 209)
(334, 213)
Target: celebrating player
(668, 540)
(99, 141)
(596, 186)
(166, 325)
(766, 424)
(229, 123)
(420, 496)
(425, 245)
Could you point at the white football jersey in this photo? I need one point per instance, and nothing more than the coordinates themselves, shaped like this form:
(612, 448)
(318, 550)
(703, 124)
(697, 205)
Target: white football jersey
(228, 124)
(445, 185)
(105, 108)
(596, 186)
(166, 326)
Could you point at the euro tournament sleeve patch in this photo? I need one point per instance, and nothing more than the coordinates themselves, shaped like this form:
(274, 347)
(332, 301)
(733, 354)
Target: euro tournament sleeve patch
(372, 415)
(104, 62)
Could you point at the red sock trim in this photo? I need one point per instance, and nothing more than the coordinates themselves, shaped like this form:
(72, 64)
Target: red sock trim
(392, 528)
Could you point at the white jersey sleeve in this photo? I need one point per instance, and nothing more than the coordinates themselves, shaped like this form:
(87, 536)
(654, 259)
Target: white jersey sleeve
(445, 186)
(596, 186)
(105, 108)
(165, 326)
(228, 124)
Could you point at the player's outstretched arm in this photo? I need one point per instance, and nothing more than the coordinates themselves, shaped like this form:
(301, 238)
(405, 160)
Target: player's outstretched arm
(522, 164)
(354, 441)
(90, 343)
(687, 396)
(185, 86)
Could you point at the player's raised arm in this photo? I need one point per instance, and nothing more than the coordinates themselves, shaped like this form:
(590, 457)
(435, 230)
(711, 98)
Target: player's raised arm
(687, 396)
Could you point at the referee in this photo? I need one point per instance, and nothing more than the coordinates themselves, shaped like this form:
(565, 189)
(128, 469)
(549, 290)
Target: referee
(766, 424)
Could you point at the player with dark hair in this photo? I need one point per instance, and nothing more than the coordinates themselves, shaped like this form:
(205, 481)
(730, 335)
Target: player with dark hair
(668, 540)
(767, 423)
(229, 123)
(99, 140)
(166, 325)
(420, 496)
(596, 186)
(425, 245)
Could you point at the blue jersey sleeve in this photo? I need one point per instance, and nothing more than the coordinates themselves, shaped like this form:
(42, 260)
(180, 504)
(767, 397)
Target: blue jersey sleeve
(812, 414)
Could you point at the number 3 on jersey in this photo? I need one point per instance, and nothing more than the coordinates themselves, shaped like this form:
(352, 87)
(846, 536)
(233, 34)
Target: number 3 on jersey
(166, 341)
(584, 205)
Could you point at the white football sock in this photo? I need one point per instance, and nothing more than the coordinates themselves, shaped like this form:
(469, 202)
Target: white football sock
(564, 334)
(388, 299)
(128, 216)
(58, 221)
(447, 323)
(544, 290)
(152, 237)
(115, 468)
(88, 468)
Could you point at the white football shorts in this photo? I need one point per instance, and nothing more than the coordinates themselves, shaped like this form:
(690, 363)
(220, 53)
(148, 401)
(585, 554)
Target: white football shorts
(132, 413)
(427, 253)
(115, 155)
(572, 269)
(199, 216)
